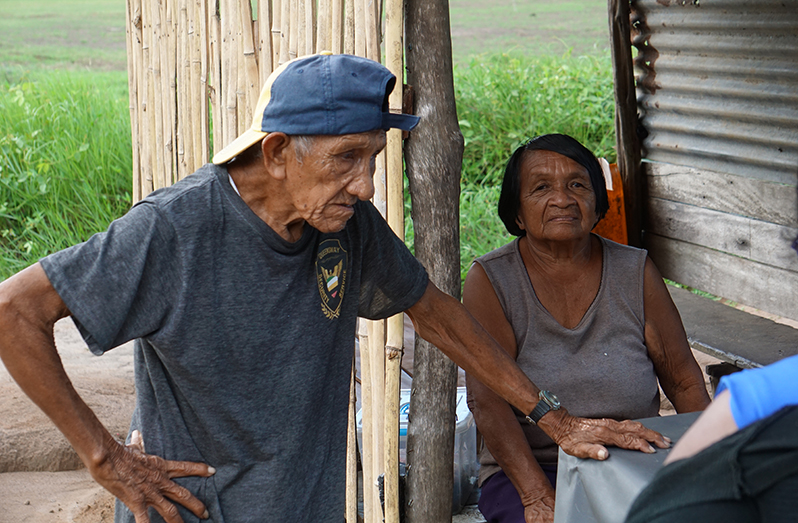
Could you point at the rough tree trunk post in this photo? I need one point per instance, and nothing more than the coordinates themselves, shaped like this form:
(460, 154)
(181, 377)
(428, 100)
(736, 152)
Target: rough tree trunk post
(433, 156)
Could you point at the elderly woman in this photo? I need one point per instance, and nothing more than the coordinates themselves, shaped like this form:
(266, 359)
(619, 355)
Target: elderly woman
(589, 321)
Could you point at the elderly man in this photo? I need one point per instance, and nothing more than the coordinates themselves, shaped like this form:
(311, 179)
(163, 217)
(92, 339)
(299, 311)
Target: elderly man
(242, 284)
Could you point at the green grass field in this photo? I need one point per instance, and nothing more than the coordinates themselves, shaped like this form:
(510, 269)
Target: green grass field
(531, 27)
(522, 68)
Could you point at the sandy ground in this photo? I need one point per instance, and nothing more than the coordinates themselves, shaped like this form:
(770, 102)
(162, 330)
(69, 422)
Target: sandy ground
(41, 477)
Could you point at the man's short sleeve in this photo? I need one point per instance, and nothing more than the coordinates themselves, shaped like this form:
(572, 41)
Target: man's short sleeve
(119, 284)
(392, 279)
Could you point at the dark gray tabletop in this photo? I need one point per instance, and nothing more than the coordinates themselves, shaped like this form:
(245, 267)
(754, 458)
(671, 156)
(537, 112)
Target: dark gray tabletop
(590, 491)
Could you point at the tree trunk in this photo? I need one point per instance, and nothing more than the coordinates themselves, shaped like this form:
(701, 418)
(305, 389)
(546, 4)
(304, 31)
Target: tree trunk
(433, 155)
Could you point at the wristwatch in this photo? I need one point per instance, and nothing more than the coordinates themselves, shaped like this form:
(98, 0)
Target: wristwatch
(548, 401)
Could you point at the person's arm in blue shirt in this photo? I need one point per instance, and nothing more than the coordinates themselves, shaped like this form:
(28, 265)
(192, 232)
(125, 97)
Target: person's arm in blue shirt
(742, 399)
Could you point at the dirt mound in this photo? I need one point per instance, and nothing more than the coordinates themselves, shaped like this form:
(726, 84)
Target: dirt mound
(42, 479)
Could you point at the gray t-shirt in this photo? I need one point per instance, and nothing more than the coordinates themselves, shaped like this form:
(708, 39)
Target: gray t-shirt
(244, 340)
(598, 369)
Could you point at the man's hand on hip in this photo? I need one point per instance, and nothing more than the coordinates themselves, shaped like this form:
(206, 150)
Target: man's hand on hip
(141, 481)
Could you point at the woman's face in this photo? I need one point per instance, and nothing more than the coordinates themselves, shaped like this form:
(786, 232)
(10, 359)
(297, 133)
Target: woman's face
(557, 199)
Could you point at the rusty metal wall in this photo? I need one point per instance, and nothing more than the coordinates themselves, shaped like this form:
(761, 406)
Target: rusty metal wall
(717, 84)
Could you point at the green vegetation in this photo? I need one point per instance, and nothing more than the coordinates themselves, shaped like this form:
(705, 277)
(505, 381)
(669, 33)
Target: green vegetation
(531, 27)
(64, 34)
(65, 161)
(64, 123)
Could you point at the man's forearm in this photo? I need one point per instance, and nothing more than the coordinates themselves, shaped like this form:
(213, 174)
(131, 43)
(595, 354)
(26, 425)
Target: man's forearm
(28, 311)
(444, 322)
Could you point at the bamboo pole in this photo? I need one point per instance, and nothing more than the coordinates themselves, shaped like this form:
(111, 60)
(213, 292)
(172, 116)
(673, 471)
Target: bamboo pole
(265, 46)
(202, 14)
(395, 215)
(351, 454)
(277, 12)
(360, 27)
(301, 29)
(285, 31)
(324, 27)
(241, 70)
(149, 159)
(229, 81)
(349, 26)
(369, 478)
(372, 30)
(158, 95)
(310, 26)
(184, 143)
(169, 89)
(133, 43)
(377, 347)
(293, 35)
(337, 27)
(215, 73)
(195, 160)
(249, 66)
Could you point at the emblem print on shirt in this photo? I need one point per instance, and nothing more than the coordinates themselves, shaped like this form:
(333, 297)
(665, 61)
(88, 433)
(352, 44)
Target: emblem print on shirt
(332, 264)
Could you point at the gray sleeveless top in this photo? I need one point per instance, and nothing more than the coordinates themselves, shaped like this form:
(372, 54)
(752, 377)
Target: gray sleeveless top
(600, 368)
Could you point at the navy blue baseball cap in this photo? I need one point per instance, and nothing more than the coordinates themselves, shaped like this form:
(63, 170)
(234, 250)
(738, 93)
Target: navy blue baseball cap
(322, 94)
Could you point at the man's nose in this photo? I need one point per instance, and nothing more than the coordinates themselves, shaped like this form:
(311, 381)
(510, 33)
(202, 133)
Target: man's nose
(362, 185)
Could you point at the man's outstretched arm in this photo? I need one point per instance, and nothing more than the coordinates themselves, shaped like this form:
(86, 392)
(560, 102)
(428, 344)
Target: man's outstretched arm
(444, 322)
(29, 307)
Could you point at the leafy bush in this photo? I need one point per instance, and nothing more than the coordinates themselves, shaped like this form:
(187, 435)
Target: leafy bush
(65, 161)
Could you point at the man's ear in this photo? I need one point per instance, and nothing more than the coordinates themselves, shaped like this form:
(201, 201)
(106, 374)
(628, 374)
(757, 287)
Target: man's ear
(275, 153)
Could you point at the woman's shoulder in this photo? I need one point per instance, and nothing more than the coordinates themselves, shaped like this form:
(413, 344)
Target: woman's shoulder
(620, 250)
(505, 252)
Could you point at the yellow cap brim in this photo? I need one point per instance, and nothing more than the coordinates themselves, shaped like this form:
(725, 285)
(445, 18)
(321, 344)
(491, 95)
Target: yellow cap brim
(249, 138)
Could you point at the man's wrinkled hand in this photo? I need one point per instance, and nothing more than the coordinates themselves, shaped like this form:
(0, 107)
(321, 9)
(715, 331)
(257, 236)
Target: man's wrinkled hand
(588, 438)
(141, 481)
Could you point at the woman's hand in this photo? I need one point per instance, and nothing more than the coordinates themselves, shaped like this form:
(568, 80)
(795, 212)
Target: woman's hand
(586, 438)
(141, 481)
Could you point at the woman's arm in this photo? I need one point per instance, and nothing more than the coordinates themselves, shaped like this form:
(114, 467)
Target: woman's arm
(495, 419)
(676, 368)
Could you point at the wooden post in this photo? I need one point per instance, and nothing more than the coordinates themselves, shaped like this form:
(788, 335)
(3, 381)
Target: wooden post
(626, 118)
(394, 53)
(433, 155)
(276, 19)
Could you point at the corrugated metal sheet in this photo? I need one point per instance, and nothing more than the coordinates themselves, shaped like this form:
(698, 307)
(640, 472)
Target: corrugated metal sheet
(718, 84)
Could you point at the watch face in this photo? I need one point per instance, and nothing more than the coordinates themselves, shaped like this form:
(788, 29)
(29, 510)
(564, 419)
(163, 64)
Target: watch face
(551, 399)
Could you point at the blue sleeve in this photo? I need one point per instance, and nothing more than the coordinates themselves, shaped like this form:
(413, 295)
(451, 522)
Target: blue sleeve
(758, 393)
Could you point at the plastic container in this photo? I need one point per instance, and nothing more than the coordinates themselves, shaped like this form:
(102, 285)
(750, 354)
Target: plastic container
(466, 466)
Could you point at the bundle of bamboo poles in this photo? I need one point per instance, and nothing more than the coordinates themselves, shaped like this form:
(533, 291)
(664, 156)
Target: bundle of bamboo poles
(195, 71)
